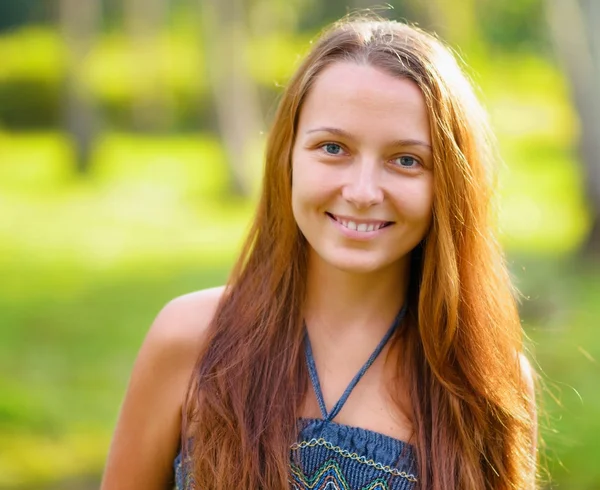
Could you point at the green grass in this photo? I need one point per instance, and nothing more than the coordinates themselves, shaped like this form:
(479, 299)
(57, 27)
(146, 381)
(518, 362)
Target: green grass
(560, 316)
(69, 359)
(86, 264)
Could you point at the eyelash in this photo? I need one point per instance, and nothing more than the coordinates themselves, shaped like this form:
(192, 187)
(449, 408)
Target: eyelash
(417, 161)
(323, 145)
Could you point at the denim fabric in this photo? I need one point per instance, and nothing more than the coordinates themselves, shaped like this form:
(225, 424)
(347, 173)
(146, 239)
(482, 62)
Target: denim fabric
(332, 456)
(180, 474)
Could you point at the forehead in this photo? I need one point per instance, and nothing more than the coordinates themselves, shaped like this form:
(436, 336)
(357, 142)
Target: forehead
(363, 99)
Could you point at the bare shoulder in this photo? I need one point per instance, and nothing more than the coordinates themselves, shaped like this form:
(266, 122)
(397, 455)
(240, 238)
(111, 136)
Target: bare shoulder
(147, 435)
(182, 322)
(176, 336)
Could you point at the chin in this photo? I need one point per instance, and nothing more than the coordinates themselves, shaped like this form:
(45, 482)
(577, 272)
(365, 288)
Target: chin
(358, 268)
(357, 265)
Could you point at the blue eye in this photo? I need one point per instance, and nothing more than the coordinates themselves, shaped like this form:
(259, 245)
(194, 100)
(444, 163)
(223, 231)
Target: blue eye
(332, 148)
(406, 161)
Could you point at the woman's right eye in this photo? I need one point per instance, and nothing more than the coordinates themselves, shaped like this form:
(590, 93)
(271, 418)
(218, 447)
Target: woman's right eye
(332, 148)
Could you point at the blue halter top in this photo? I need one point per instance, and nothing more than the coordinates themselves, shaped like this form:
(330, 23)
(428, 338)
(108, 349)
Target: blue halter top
(332, 456)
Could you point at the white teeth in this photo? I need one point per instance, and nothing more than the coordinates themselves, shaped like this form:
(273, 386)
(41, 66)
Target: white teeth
(363, 227)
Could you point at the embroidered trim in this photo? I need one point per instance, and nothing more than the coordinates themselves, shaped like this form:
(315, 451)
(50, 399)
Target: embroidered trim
(330, 468)
(347, 454)
(189, 483)
(329, 475)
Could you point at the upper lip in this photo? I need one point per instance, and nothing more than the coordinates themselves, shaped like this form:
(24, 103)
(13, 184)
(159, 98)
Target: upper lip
(359, 221)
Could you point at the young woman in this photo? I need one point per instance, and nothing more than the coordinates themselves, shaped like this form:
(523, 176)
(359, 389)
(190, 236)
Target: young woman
(368, 337)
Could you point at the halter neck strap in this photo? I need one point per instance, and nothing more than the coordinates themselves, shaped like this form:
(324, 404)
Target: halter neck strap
(314, 378)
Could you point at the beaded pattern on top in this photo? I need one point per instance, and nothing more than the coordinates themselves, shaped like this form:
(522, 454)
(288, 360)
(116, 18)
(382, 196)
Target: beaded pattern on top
(356, 457)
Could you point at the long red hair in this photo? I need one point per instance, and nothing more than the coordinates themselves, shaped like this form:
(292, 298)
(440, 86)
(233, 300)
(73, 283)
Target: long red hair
(470, 408)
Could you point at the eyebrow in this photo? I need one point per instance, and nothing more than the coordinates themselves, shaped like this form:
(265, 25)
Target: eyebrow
(400, 142)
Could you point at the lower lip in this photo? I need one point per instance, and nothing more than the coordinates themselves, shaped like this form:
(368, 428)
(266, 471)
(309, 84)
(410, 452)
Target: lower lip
(355, 234)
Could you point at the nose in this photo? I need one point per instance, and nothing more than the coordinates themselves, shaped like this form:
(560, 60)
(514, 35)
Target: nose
(363, 189)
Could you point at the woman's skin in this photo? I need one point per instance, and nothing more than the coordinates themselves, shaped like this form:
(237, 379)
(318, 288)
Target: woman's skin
(147, 435)
(362, 155)
(371, 165)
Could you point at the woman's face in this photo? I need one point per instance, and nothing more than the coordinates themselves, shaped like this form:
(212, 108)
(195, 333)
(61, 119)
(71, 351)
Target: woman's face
(362, 180)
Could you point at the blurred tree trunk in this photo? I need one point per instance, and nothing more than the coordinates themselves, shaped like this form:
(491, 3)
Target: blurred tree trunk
(455, 22)
(79, 22)
(574, 26)
(152, 104)
(235, 95)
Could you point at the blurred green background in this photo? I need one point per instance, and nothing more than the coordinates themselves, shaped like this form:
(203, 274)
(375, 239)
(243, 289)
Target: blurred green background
(131, 139)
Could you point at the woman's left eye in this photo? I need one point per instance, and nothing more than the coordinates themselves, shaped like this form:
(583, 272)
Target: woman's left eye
(332, 148)
(407, 161)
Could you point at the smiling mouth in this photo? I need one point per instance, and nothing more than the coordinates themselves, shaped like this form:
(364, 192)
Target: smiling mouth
(360, 225)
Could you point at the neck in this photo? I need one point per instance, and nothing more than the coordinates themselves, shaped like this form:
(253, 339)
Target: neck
(346, 302)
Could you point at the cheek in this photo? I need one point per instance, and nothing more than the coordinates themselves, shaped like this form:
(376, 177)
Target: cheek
(416, 201)
(427, 201)
(311, 184)
(304, 193)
